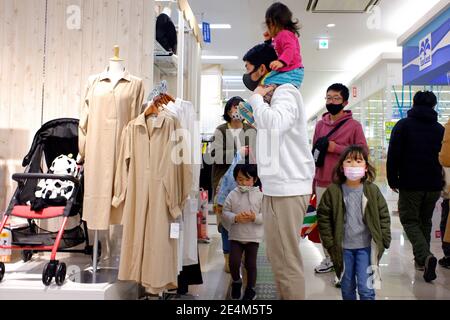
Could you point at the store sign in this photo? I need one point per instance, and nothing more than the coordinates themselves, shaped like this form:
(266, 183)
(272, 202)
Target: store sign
(324, 44)
(206, 32)
(425, 53)
(388, 127)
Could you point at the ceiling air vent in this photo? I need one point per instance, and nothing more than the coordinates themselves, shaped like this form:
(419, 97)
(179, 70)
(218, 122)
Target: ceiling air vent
(340, 6)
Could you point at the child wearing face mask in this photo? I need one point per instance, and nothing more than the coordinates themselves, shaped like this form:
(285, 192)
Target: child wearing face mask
(243, 218)
(354, 224)
(287, 65)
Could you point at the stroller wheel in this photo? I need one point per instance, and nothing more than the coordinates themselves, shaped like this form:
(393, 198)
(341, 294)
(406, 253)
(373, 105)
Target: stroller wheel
(2, 270)
(61, 274)
(48, 273)
(27, 255)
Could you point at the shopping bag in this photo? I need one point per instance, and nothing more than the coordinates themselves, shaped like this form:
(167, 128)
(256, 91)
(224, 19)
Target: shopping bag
(310, 225)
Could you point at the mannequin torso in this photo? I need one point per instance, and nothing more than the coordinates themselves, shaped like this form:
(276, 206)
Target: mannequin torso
(115, 71)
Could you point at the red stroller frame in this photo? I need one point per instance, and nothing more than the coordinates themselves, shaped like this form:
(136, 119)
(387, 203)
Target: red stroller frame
(54, 138)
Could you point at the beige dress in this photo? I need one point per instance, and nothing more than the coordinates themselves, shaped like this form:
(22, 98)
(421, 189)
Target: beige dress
(154, 189)
(105, 112)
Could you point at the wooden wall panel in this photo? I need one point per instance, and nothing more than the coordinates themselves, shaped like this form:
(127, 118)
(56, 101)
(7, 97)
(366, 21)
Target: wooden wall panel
(72, 56)
(21, 65)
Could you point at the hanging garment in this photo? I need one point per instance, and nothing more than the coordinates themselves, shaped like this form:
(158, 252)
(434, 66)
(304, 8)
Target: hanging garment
(166, 33)
(154, 189)
(184, 111)
(106, 110)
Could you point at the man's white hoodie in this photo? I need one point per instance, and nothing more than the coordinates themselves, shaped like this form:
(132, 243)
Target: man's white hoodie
(285, 162)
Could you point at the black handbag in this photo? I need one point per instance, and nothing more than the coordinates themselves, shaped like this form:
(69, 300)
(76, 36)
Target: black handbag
(320, 148)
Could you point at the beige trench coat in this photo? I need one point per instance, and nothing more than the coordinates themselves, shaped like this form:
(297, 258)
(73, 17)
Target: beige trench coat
(154, 189)
(105, 112)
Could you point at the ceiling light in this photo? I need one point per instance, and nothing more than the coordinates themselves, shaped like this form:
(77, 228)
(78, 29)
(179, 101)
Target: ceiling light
(331, 25)
(220, 57)
(216, 26)
(234, 90)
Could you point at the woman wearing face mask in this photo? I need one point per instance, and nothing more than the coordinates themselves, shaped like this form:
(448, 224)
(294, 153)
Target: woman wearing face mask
(354, 224)
(229, 138)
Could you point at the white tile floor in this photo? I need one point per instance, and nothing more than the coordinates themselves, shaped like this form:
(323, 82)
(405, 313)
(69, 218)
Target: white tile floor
(400, 280)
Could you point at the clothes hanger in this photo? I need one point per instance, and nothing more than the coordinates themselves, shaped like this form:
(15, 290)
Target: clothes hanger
(158, 104)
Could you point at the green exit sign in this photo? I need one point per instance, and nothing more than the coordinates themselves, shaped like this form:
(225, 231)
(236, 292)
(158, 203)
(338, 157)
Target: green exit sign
(323, 44)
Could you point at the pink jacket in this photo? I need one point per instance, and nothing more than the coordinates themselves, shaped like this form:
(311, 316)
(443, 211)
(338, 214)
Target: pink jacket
(287, 46)
(350, 133)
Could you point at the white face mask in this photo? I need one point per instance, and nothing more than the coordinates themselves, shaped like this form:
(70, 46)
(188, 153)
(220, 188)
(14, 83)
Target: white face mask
(354, 173)
(245, 189)
(236, 116)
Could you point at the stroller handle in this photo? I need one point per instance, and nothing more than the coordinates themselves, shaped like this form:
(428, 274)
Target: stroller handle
(19, 177)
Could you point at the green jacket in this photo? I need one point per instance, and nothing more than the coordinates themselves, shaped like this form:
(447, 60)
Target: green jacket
(331, 212)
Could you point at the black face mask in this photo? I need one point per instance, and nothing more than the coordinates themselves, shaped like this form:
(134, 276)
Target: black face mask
(249, 82)
(334, 109)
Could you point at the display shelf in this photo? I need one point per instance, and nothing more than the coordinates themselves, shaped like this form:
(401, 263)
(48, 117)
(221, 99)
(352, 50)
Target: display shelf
(165, 61)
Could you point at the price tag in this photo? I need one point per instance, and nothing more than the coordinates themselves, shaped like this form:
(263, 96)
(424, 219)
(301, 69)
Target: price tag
(174, 231)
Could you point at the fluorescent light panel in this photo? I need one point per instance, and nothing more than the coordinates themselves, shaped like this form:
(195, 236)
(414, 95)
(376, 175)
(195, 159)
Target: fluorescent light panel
(220, 57)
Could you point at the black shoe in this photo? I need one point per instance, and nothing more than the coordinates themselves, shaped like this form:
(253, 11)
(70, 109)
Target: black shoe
(430, 268)
(236, 287)
(445, 262)
(249, 294)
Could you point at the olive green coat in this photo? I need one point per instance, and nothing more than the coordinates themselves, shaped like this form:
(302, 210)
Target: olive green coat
(331, 214)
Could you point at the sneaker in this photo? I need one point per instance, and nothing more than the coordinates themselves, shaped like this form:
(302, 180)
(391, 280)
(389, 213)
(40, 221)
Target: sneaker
(325, 266)
(249, 294)
(236, 287)
(430, 268)
(418, 266)
(445, 262)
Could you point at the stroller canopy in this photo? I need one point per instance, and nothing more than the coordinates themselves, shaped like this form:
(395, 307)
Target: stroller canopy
(54, 138)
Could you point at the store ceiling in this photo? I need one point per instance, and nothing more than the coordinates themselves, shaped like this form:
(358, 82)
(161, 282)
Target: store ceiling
(355, 41)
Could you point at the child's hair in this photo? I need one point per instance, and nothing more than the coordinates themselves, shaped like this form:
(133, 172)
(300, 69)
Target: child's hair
(339, 87)
(248, 170)
(279, 17)
(353, 152)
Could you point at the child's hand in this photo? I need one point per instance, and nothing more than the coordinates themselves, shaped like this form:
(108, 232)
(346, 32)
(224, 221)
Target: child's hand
(275, 65)
(264, 90)
(251, 216)
(240, 218)
(267, 36)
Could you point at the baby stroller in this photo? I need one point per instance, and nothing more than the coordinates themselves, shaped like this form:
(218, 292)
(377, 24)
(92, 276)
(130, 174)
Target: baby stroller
(55, 138)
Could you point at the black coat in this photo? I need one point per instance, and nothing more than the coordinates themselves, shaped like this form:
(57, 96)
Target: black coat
(413, 156)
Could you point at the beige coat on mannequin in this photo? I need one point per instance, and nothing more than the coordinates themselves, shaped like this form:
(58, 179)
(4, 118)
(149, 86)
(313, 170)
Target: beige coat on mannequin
(105, 112)
(154, 188)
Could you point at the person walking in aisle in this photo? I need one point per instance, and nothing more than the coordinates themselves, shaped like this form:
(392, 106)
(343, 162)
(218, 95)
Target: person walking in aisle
(229, 138)
(444, 159)
(349, 132)
(286, 169)
(414, 171)
(243, 219)
(354, 224)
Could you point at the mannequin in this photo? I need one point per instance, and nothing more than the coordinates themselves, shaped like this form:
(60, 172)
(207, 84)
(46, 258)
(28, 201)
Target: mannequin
(167, 11)
(113, 98)
(116, 68)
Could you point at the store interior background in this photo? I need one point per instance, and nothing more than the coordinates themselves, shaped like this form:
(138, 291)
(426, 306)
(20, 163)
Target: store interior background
(48, 55)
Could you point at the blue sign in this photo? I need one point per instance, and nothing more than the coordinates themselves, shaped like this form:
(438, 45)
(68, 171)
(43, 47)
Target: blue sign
(206, 32)
(426, 56)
